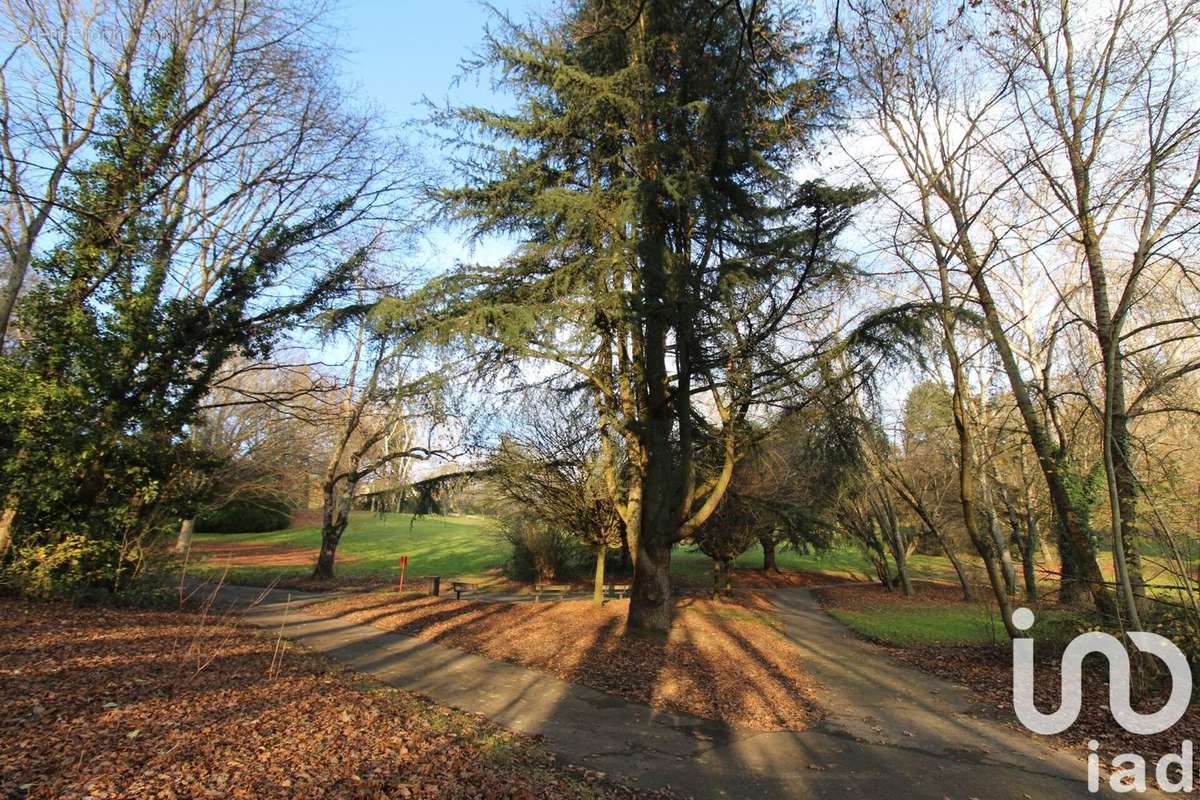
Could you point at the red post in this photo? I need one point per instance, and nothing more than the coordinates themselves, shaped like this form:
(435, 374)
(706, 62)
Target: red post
(403, 568)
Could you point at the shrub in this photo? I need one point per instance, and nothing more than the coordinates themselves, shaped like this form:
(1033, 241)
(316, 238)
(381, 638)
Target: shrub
(254, 515)
(75, 568)
(539, 552)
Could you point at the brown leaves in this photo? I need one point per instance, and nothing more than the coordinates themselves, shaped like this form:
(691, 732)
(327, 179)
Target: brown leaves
(95, 706)
(724, 659)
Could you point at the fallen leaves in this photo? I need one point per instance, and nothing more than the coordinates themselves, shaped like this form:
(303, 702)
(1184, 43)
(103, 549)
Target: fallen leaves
(724, 659)
(106, 703)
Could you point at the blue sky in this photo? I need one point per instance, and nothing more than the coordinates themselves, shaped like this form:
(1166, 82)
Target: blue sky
(399, 51)
(402, 50)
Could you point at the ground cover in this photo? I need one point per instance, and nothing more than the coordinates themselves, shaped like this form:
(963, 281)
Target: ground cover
(107, 703)
(724, 659)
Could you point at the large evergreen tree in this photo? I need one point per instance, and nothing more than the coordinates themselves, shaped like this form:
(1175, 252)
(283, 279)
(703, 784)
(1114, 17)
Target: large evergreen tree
(668, 260)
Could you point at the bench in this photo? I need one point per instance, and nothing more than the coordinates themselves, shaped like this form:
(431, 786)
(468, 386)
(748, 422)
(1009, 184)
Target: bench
(462, 588)
(618, 590)
(559, 589)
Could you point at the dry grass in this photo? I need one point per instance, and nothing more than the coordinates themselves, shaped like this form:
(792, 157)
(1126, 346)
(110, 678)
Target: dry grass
(723, 660)
(254, 554)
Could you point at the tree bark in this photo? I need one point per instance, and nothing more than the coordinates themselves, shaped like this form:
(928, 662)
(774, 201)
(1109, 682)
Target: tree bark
(598, 587)
(956, 562)
(187, 527)
(650, 595)
(1007, 568)
(1074, 534)
(335, 516)
(13, 281)
(768, 548)
(8, 517)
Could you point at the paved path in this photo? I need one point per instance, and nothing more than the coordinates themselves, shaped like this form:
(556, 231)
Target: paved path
(892, 733)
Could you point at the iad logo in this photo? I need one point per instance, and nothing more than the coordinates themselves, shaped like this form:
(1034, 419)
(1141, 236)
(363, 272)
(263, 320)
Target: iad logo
(1071, 700)
(1132, 778)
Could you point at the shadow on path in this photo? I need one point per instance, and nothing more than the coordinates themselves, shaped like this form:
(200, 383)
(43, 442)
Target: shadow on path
(892, 733)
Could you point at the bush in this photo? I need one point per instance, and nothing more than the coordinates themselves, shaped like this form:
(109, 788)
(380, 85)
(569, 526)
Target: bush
(246, 516)
(85, 570)
(75, 568)
(540, 553)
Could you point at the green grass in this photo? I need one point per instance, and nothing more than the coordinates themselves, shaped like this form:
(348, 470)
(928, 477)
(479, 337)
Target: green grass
(913, 622)
(371, 547)
(468, 547)
(844, 562)
(925, 623)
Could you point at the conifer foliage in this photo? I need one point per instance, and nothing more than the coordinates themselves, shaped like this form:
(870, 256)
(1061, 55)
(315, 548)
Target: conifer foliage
(668, 261)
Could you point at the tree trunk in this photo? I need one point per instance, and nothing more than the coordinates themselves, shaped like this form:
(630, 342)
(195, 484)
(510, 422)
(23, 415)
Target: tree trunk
(1070, 585)
(902, 571)
(968, 481)
(187, 527)
(650, 594)
(956, 562)
(1003, 551)
(598, 587)
(1027, 545)
(17, 268)
(768, 548)
(1029, 571)
(1049, 460)
(335, 516)
(8, 517)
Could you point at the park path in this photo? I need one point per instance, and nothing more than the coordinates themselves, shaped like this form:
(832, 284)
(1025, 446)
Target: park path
(892, 732)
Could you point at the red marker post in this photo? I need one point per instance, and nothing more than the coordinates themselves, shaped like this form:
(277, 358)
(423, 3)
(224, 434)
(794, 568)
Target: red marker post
(403, 569)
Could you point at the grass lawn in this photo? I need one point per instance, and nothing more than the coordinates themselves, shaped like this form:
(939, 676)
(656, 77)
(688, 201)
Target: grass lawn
(840, 563)
(465, 547)
(925, 623)
(370, 548)
(936, 616)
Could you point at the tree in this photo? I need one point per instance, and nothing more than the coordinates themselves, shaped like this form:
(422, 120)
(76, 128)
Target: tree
(261, 136)
(254, 431)
(113, 365)
(918, 78)
(1107, 109)
(387, 414)
(550, 469)
(664, 250)
(920, 468)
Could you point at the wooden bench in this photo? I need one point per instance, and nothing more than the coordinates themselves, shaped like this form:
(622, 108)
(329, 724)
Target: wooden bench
(618, 590)
(559, 589)
(462, 588)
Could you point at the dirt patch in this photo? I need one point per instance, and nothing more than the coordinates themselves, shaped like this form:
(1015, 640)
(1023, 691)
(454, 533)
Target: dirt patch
(306, 518)
(126, 704)
(723, 660)
(864, 596)
(252, 554)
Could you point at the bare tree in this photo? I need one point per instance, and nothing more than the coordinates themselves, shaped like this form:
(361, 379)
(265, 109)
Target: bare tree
(1108, 109)
(254, 432)
(919, 80)
(549, 465)
(263, 138)
(388, 412)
